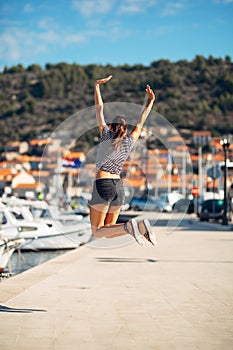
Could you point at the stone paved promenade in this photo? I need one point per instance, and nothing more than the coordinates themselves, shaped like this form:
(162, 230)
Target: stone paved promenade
(178, 295)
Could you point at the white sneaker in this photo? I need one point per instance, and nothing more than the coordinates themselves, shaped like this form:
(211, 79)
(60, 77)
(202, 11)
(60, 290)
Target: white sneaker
(149, 234)
(134, 231)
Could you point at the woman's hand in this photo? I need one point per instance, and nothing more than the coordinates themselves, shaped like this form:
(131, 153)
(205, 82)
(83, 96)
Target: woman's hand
(103, 81)
(150, 93)
(99, 102)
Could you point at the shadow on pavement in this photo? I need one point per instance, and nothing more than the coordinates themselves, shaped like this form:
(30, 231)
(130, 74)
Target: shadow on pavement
(17, 310)
(135, 260)
(126, 260)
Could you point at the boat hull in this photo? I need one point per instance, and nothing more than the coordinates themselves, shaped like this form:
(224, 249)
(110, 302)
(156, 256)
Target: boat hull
(7, 248)
(57, 241)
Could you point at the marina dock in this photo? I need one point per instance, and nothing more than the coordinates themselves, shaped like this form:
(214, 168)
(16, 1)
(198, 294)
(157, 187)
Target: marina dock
(177, 295)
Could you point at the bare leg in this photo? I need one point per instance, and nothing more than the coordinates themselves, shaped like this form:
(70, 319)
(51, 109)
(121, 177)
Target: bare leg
(100, 214)
(112, 215)
(103, 222)
(111, 231)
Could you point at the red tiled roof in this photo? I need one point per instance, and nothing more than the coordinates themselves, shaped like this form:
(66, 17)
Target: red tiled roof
(40, 142)
(136, 182)
(12, 143)
(27, 158)
(28, 186)
(5, 172)
(194, 157)
(74, 155)
(175, 138)
(202, 133)
(42, 173)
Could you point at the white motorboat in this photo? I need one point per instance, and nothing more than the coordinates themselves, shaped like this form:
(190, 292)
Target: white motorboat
(42, 233)
(42, 210)
(7, 248)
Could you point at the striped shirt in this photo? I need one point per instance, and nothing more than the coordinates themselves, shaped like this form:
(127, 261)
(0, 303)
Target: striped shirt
(110, 159)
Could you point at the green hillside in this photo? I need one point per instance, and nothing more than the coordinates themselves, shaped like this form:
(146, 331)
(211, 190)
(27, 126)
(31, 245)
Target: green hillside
(195, 95)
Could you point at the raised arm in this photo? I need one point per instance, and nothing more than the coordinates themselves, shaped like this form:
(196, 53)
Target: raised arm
(99, 106)
(138, 128)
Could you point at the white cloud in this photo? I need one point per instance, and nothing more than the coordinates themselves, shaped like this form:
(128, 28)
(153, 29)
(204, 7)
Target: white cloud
(161, 31)
(19, 45)
(49, 37)
(28, 8)
(136, 6)
(47, 23)
(223, 1)
(8, 47)
(131, 7)
(91, 7)
(74, 38)
(172, 8)
(10, 22)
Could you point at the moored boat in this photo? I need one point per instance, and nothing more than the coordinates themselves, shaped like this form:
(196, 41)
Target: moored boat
(7, 248)
(42, 233)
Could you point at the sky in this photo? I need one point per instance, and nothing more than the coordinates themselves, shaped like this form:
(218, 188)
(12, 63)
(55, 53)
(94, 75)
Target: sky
(115, 32)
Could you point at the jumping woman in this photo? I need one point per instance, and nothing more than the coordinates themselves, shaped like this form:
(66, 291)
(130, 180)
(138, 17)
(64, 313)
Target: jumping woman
(108, 192)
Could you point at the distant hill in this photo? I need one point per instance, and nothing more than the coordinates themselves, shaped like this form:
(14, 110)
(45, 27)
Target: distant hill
(194, 95)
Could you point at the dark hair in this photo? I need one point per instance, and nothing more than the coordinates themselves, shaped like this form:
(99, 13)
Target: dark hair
(119, 127)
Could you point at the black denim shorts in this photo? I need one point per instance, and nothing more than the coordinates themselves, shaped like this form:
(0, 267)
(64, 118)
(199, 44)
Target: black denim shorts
(108, 191)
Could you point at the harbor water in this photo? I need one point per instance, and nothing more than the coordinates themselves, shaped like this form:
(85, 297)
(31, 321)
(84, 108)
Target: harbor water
(21, 261)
